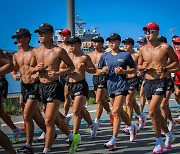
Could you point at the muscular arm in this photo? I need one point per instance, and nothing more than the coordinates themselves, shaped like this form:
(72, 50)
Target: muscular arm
(6, 65)
(90, 68)
(16, 68)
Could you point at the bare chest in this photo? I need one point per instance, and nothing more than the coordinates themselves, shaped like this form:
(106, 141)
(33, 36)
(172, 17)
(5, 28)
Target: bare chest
(24, 59)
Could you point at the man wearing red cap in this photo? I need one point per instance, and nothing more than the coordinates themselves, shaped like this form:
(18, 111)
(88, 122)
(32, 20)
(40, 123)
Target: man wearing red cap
(65, 36)
(176, 43)
(153, 61)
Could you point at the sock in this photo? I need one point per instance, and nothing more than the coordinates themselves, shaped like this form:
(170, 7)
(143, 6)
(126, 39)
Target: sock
(70, 136)
(92, 125)
(46, 151)
(158, 141)
(114, 138)
(96, 120)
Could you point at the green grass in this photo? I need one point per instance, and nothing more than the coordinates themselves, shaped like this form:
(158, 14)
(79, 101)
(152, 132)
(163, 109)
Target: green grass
(91, 100)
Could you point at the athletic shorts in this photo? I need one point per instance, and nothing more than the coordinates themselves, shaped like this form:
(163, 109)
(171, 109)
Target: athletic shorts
(133, 83)
(64, 79)
(78, 88)
(124, 93)
(155, 87)
(170, 84)
(30, 91)
(99, 82)
(3, 87)
(50, 91)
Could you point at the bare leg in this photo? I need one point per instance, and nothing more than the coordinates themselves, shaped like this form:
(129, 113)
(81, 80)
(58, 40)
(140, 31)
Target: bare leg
(67, 102)
(142, 97)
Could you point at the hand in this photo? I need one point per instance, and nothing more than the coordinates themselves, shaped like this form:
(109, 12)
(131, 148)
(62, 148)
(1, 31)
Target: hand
(81, 66)
(52, 73)
(139, 73)
(118, 70)
(34, 76)
(104, 70)
(17, 77)
(41, 66)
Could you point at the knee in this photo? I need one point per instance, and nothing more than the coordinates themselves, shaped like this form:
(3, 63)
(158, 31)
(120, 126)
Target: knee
(27, 117)
(116, 112)
(129, 104)
(49, 122)
(151, 113)
(76, 112)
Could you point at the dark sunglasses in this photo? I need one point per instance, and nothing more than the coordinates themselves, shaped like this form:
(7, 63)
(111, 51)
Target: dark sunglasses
(176, 43)
(148, 31)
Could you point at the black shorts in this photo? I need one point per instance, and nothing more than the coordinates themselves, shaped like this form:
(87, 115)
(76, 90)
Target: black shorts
(170, 84)
(133, 83)
(99, 81)
(51, 90)
(3, 87)
(141, 79)
(64, 79)
(78, 88)
(124, 93)
(155, 87)
(30, 91)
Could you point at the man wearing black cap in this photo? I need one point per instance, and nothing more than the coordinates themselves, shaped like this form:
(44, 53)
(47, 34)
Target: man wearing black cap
(99, 80)
(6, 67)
(133, 81)
(153, 61)
(78, 88)
(23, 60)
(48, 58)
(114, 64)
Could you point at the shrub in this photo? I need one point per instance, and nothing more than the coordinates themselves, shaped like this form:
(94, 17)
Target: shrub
(91, 100)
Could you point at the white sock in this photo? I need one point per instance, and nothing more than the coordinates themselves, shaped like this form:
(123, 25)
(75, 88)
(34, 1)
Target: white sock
(96, 120)
(46, 150)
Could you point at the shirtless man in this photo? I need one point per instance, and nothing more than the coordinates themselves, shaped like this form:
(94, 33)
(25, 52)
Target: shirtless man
(114, 65)
(141, 41)
(23, 60)
(176, 43)
(6, 66)
(133, 81)
(48, 58)
(153, 61)
(78, 89)
(65, 36)
(3, 94)
(99, 80)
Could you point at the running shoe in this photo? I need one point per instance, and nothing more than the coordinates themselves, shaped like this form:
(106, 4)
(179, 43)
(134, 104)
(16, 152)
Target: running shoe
(23, 127)
(177, 120)
(142, 121)
(133, 132)
(16, 134)
(169, 140)
(158, 149)
(68, 141)
(171, 125)
(25, 149)
(110, 144)
(74, 145)
(125, 130)
(41, 137)
(93, 131)
(111, 120)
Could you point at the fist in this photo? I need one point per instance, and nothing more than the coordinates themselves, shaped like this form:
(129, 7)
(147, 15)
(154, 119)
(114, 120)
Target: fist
(17, 77)
(81, 66)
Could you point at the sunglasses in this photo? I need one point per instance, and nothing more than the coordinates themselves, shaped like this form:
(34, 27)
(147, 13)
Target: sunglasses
(148, 31)
(176, 43)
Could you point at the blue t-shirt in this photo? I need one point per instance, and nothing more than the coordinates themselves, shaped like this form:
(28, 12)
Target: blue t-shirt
(116, 82)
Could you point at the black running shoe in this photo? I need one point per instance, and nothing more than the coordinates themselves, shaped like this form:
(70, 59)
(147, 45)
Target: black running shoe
(26, 149)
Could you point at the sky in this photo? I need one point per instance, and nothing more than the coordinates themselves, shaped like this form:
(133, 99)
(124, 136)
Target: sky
(126, 18)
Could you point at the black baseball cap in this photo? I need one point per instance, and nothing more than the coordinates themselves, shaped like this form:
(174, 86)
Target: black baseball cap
(128, 40)
(74, 40)
(97, 39)
(162, 39)
(142, 39)
(21, 32)
(45, 27)
(114, 36)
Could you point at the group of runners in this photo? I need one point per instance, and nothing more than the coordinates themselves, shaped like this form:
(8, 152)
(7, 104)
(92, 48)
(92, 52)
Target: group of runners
(56, 73)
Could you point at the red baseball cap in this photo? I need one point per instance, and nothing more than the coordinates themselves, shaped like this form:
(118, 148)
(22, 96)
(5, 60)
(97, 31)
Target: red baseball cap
(176, 40)
(65, 32)
(151, 26)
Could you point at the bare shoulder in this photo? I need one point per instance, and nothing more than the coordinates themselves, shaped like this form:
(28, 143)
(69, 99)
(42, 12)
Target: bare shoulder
(166, 47)
(59, 50)
(91, 53)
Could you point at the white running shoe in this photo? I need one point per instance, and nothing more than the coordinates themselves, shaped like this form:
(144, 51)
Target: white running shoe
(110, 144)
(142, 121)
(171, 125)
(16, 134)
(158, 149)
(133, 132)
(94, 130)
(41, 137)
(169, 140)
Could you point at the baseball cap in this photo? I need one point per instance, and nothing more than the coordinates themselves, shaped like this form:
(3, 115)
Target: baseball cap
(151, 26)
(21, 32)
(97, 39)
(141, 39)
(74, 40)
(65, 32)
(45, 27)
(128, 40)
(176, 40)
(114, 36)
(162, 39)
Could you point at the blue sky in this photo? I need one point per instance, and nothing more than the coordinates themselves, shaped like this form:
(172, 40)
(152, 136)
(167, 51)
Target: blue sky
(124, 17)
